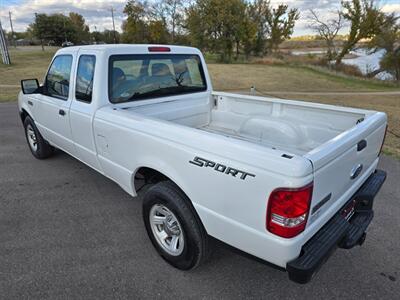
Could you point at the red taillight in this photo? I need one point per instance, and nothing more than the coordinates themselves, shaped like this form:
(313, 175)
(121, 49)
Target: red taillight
(159, 49)
(288, 210)
(384, 137)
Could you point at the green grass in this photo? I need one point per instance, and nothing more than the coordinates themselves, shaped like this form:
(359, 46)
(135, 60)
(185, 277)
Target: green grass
(352, 81)
(293, 78)
(8, 94)
(26, 62)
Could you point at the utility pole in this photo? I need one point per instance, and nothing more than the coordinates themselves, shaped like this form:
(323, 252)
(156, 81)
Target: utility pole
(12, 30)
(112, 16)
(3, 47)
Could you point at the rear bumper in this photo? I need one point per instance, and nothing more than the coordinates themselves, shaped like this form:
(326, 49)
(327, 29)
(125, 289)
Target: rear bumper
(338, 232)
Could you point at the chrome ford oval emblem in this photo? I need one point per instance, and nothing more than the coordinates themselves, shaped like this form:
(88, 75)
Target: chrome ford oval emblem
(356, 171)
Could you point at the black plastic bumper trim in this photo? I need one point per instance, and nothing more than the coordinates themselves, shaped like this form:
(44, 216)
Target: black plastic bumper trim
(338, 232)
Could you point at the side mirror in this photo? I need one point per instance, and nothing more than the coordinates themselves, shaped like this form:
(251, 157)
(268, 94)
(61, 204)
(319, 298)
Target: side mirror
(30, 86)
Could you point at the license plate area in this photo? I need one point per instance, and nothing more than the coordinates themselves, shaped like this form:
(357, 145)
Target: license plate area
(348, 210)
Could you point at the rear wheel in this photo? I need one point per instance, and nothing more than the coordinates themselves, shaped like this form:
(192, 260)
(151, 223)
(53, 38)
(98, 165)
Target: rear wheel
(39, 147)
(174, 227)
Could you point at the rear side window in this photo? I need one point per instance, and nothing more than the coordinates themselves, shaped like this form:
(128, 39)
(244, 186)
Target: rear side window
(57, 79)
(143, 76)
(84, 78)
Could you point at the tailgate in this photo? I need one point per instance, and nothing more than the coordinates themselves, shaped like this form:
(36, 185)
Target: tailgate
(342, 164)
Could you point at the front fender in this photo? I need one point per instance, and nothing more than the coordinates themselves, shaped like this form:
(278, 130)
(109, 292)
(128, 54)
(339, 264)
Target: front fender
(24, 108)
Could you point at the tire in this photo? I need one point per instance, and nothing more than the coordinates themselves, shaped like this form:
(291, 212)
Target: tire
(195, 245)
(39, 147)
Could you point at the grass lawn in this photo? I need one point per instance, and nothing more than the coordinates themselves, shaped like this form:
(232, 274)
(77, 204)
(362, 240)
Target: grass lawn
(31, 62)
(27, 62)
(288, 78)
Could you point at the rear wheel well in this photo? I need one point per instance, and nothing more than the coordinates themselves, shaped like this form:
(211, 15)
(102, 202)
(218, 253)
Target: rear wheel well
(147, 176)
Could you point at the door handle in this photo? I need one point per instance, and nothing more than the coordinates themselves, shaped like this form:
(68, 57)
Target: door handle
(61, 112)
(361, 145)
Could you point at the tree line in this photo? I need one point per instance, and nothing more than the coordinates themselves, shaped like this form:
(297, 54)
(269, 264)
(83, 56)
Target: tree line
(225, 27)
(230, 28)
(55, 29)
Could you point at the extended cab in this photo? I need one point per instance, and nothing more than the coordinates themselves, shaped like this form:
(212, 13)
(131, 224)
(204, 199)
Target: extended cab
(286, 181)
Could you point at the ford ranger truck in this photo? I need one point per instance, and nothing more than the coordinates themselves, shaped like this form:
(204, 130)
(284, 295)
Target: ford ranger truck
(285, 181)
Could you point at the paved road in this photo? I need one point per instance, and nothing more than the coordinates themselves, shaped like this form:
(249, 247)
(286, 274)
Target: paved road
(68, 232)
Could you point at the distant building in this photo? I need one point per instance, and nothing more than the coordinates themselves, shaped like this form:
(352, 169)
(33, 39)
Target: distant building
(23, 42)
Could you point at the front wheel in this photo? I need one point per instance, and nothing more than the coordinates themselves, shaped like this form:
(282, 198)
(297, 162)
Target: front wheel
(174, 227)
(39, 147)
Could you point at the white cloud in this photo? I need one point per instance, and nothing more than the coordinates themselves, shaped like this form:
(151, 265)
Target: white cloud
(389, 8)
(96, 12)
(324, 8)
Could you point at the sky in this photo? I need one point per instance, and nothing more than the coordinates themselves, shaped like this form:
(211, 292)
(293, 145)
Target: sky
(97, 13)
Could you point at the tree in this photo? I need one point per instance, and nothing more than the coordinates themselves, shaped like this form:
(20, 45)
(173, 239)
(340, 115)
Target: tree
(146, 23)
(257, 13)
(281, 24)
(327, 30)
(273, 25)
(248, 33)
(134, 28)
(197, 30)
(166, 19)
(365, 20)
(81, 29)
(38, 28)
(55, 28)
(388, 39)
(96, 37)
(219, 26)
(106, 36)
(216, 25)
(174, 15)
(157, 32)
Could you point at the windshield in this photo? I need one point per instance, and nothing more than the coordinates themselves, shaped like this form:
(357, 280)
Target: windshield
(137, 77)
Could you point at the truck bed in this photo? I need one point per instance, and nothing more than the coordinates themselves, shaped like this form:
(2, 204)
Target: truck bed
(291, 126)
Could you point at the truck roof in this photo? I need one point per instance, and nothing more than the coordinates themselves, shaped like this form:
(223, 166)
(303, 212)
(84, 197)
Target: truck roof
(129, 48)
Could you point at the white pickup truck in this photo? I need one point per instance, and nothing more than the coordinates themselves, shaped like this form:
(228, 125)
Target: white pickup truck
(285, 181)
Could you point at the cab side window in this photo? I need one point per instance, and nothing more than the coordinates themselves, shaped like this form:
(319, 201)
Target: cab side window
(84, 78)
(57, 79)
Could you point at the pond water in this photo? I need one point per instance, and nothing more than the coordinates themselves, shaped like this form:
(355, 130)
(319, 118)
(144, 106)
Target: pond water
(365, 61)
(305, 52)
(368, 62)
